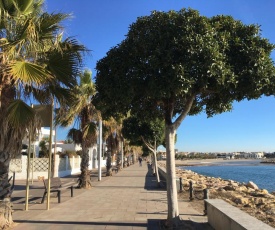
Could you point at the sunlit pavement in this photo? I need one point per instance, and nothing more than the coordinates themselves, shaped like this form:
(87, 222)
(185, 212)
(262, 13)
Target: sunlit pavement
(129, 199)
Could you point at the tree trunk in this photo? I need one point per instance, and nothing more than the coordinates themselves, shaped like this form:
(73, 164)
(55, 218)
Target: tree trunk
(156, 167)
(84, 179)
(172, 198)
(5, 214)
(109, 163)
(5, 189)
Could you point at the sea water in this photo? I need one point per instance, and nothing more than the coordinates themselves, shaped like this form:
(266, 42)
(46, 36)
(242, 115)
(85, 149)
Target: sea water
(263, 175)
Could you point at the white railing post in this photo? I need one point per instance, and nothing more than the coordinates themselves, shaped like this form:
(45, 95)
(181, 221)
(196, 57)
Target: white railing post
(67, 163)
(24, 165)
(56, 166)
(73, 163)
(79, 162)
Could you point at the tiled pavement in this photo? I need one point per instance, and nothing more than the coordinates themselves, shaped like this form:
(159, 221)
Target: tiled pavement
(128, 200)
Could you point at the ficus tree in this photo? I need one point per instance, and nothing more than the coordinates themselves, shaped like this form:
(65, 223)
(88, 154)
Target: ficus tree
(145, 132)
(179, 63)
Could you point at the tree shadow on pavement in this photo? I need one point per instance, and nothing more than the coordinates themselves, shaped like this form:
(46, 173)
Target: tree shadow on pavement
(151, 181)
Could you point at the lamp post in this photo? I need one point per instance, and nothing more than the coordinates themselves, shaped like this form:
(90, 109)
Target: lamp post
(114, 147)
(122, 154)
(99, 157)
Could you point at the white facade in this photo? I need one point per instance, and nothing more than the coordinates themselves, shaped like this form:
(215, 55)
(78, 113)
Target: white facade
(254, 155)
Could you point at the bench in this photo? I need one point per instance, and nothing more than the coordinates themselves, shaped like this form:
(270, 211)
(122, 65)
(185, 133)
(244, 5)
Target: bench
(224, 216)
(115, 169)
(56, 186)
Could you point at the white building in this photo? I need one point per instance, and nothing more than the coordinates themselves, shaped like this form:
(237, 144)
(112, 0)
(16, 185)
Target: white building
(257, 155)
(253, 155)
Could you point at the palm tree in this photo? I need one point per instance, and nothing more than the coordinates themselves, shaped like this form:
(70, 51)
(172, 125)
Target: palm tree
(35, 65)
(83, 111)
(113, 137)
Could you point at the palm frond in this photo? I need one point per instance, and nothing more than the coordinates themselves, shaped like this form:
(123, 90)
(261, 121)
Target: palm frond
(49, 24)
(20, 114)
(75, 135)
(64, 117)
(89, 129)
(63, 95)
(23, 7)
(42, 95)
(29, 72)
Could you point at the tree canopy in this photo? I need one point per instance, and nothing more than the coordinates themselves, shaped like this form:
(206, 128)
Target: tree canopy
(135, 129)
(172, 58)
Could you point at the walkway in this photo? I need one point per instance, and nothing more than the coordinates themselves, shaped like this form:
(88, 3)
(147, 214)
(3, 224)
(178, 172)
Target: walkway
(127, 200)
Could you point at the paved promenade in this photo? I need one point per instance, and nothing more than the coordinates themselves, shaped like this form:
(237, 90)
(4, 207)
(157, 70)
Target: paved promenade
(128, 200)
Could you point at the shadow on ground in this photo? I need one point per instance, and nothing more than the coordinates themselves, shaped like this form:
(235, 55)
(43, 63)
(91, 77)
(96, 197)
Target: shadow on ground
(154, 224)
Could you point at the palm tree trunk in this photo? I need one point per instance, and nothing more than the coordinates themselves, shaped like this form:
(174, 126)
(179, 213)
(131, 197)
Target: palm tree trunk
(5, 204)
(109, 163)
(84, 179)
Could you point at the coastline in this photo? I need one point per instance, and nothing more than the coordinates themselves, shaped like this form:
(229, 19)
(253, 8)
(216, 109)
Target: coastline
(197, 162)
(246, 196)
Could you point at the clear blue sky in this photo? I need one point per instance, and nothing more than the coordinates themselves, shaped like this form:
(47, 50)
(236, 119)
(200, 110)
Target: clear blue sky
(101, 24)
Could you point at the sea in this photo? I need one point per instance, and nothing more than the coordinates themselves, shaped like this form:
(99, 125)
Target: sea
(263, 175)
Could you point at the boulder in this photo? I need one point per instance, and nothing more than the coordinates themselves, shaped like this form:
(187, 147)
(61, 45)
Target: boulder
(270, 212)
(241, 189)
(264, 191)
(259, 201)
(241, 200)
(229, 188)
(252, 185)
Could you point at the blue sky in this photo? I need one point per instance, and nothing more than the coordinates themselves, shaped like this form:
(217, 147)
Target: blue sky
(102, 24)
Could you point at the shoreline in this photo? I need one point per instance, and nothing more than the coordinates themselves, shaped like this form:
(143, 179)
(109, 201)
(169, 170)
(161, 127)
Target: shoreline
(206, 162)
(245, 196)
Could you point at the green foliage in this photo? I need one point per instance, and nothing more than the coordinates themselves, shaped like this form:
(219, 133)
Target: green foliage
(171, 59)
(178, 63)
(82, 110)
(134, 129)
(20, 114)
(69, 153)
(68, 141)
(44, 152)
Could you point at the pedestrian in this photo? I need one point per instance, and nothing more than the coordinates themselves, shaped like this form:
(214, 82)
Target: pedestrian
(140, 161)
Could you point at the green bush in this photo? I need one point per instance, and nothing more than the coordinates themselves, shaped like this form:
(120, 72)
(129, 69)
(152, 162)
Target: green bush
(69, 153)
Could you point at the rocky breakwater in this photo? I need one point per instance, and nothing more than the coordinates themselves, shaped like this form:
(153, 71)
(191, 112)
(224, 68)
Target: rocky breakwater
(246, 196)
(268, 161)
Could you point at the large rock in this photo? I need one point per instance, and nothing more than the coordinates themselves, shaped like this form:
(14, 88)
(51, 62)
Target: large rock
(229, 188)
(241, 189)
(240, 200)
(252, 185)
(259, 200)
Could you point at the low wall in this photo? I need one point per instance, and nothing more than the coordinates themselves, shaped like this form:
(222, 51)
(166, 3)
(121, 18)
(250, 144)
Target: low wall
(39, 167)
(224, 216)
(163, 176)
